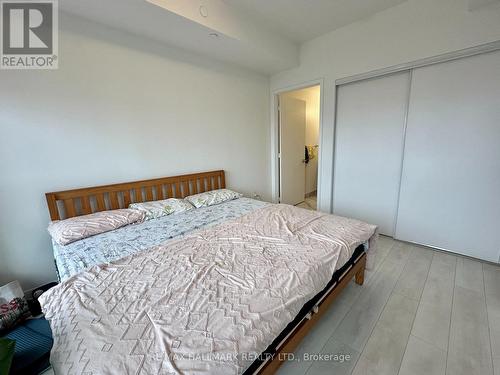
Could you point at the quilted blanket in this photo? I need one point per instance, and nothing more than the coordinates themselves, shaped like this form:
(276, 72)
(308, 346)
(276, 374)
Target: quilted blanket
(205, 303)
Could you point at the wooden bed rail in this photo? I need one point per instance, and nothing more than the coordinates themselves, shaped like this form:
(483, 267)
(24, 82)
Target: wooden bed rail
(286, 350)
(76, 202)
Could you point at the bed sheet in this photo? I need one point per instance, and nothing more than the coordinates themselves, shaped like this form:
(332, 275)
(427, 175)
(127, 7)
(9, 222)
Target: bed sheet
(107, 247)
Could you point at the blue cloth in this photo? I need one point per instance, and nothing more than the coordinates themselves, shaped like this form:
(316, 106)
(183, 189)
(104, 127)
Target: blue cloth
(33, 344)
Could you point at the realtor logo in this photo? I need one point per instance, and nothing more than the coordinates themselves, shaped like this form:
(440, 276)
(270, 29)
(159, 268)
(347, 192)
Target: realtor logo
(29, 37)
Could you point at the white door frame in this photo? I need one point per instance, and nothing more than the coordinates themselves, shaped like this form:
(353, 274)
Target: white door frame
(275, 170)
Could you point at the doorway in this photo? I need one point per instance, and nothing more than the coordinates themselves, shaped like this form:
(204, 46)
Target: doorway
(298, 146)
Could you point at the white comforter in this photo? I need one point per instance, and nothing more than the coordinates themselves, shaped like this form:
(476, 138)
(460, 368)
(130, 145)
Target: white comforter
(206, 303)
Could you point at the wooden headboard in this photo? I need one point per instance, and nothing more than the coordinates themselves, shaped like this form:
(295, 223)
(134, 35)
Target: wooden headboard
(76, 202)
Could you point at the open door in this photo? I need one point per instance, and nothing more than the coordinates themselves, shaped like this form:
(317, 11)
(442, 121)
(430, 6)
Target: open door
(292, 128)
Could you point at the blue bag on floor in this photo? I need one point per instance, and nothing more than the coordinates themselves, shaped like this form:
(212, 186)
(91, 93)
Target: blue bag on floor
(33, 344)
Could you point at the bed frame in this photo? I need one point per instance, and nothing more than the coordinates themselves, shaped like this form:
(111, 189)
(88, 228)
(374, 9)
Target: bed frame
(288, 346)
(71, 203)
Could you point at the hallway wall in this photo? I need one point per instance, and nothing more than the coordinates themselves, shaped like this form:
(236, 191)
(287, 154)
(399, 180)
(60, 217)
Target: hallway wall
(311, 96)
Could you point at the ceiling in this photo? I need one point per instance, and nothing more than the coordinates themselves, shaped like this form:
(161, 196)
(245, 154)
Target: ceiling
(302, 20)
(476, 4)
(250, 47)
(260, 35)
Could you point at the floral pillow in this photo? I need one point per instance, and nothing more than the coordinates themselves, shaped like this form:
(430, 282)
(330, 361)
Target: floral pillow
(212, 197)
(76, 228)
(156, 209)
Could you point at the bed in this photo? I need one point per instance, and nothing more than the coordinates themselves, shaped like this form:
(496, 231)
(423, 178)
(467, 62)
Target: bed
(225, 289)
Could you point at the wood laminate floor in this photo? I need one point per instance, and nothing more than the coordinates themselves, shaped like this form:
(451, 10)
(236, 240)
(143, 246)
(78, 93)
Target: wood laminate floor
(420, 311)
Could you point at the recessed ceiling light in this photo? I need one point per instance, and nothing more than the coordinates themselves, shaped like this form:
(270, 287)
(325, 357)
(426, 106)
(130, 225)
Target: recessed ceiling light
(203, 11)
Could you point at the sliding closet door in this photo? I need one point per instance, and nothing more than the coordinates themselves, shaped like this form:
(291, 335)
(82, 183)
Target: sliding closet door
(450, 189)
(368, 149)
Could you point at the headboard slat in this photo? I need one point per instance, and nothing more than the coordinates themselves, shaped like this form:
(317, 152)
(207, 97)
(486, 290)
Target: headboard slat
(86, 205)
(201, 188)
(170, 192)
(69, 206)
(149, 193)
(185, 189)
(138, 195)
(53, 210)
(222, 181)
(126, 198)
(193, 189)
(159, 192)
(101, 203)
(113, 199)
(92, 199)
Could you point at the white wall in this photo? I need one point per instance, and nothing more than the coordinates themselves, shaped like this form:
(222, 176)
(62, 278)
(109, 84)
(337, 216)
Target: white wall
(407, 32)
(311, 95)
(119, 108)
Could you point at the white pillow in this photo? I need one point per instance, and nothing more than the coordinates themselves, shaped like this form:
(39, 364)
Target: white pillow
(156, 209)
(76, 228)
(212, 197)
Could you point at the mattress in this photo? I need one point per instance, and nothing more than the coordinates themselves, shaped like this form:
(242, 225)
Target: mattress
(107, 247)
(208, 302)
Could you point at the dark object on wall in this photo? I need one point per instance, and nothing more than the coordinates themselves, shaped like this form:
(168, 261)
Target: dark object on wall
(306, 155)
